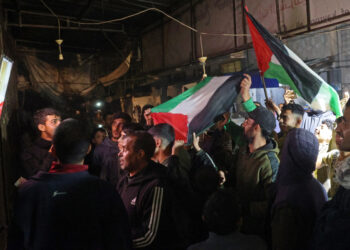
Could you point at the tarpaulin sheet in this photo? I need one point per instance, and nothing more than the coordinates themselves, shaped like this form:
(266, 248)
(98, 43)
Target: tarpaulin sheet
(73, 80)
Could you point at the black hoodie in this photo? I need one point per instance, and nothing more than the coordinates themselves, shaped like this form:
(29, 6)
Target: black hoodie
(148, 204)
(36, 157)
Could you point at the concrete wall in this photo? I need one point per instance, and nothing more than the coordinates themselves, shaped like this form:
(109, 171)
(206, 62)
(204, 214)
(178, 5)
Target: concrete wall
(168, 44)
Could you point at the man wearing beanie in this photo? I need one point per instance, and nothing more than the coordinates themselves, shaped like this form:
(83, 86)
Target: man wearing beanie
(257, 163)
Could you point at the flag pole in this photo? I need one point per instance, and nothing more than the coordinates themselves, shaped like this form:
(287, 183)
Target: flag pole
(264, 85)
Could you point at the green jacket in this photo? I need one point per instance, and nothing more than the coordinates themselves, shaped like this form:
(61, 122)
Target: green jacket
(254, 173)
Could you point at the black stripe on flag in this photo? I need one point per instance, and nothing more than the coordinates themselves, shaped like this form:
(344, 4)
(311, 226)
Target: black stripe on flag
(221, 101)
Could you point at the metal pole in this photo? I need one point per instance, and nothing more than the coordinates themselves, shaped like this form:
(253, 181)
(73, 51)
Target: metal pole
(264, 85)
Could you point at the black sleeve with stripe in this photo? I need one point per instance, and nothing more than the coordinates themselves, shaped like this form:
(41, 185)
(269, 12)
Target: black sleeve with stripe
(150, 213)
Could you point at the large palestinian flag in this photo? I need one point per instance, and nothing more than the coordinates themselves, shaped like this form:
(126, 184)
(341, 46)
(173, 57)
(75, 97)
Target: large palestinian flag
(195, 109)
(275, 60)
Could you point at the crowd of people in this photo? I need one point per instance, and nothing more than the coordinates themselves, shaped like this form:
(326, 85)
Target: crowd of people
(238, 186)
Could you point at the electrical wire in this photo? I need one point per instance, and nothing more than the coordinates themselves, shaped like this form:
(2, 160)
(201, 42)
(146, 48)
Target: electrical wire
(53, 13)
(142, 12)
(167, 15)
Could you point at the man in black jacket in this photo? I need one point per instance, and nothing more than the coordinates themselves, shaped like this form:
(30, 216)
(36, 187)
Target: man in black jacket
(144, 192)
(38, 156)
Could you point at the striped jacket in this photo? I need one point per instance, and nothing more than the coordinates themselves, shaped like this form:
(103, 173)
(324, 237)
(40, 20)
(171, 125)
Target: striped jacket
(148, 204)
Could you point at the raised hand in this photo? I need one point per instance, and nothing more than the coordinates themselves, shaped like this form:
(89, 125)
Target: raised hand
(178, 145)
(196, 142)
(245, 86)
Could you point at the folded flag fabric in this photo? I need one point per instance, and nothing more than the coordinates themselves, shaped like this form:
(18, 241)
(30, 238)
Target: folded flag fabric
(275, 60)
(195, 109)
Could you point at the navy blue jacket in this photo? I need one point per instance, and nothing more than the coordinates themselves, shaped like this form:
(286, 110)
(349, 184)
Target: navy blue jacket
(36, 158)
(69, 211)
(105, 161)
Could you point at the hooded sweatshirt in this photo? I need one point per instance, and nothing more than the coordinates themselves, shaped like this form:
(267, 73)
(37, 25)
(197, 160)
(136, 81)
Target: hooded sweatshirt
(299, 197)
(148, 204)
(253, 174)
(36, 158)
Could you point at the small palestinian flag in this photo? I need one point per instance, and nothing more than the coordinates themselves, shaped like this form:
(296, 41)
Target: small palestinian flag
(195, 109)
(277, 61)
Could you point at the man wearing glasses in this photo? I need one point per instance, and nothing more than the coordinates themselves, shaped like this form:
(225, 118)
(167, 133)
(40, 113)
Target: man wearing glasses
(38, 156)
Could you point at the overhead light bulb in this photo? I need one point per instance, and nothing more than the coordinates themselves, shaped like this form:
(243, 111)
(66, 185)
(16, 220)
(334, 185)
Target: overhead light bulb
(60, 55)
(59, 41)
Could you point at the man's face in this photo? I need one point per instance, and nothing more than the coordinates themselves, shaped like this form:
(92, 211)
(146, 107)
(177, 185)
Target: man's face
(128, 158)
(117, 127)
(108, 121)
(99, 137)
(323, 133)
(288, 121)
(121, 138)
(249, 128)
(148, 117)
(345, 130)
(339, 134)
(48, 129)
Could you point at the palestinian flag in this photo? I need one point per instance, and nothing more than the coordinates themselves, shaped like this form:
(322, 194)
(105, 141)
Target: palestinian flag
(1, 105)
(195, 109)
(275, 60)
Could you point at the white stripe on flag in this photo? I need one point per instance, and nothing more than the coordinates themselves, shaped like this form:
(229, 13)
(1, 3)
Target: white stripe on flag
(197, 102)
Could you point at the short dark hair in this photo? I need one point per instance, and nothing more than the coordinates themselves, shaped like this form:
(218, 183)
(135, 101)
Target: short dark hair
(144, 108)
(39, 116)
(294, 108)
(131, 127)
(71, 141)
(122, 115)
(339, 119)
(147, 106)
(144, 141)
(103, 130)
(222, 212)
(165, 132)
(329, 123)
(257, 103)
(107, 113)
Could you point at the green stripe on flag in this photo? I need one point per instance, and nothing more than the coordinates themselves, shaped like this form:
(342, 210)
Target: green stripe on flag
(172, 103)
(333, 100)
(276, 71)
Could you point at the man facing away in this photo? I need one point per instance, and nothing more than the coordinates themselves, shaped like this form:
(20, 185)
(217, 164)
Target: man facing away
(38, 156)
(67, 208)
(145, 194)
